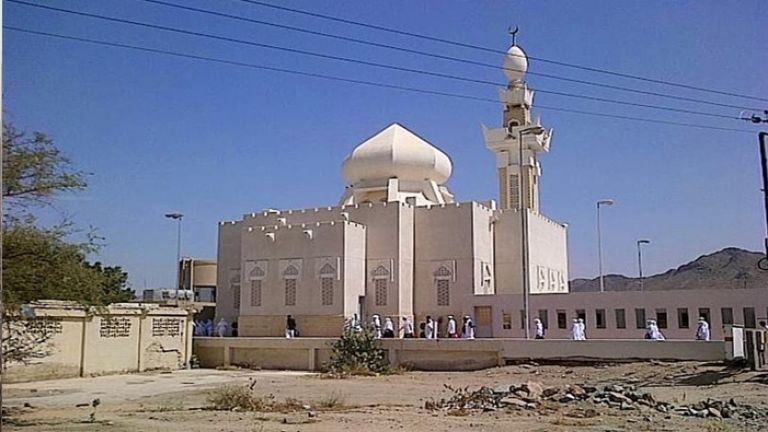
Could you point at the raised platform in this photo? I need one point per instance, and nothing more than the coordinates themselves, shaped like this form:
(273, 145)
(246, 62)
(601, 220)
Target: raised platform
(447, 354)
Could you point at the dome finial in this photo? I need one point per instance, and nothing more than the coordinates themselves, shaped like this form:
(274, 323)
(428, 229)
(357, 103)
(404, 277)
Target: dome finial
(513, 33)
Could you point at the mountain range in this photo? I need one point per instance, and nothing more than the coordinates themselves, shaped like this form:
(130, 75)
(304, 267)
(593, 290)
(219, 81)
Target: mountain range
(730, 268)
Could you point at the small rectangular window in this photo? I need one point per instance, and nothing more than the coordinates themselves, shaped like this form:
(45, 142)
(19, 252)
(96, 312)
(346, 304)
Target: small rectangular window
(704, 313)
(290, 292)
(256, 292)
(581, 313)
(727, 315)
(326, 289)
(749, 317)
(443, 292)
(562, 319)
(544, 317)
(600, 318)
(236, 299)
(522, 318)
(683, 321)
(621, 319)
(380, 286)
(640, 318)
(661, 318)
(506, 321)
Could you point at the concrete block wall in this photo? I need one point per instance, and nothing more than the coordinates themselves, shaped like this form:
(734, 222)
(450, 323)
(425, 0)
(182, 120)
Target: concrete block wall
(127, 337)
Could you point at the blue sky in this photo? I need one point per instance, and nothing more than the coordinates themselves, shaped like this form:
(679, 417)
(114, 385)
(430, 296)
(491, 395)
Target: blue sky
(215, 141)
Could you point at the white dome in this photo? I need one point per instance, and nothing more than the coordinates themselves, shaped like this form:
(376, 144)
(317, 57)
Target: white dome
(515, 63)
(396, 152)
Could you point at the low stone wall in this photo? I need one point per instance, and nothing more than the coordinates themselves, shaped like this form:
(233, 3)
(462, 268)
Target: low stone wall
(83, 341)
(446, 354)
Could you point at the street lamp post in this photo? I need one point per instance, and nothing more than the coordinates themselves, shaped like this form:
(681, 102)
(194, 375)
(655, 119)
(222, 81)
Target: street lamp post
(640, 260)
(603, 202)
(530, 130)
(178, 218)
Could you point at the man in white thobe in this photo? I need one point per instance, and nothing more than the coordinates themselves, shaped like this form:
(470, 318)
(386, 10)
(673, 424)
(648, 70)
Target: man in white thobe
(582, 329)
(376, 323)
(389, 328)
(539, 328)
(702, 330)
(452, 330)
(468, 328)
(654, 332)
(575, 329)
(222, 327)
(407, 328)
(429, 329)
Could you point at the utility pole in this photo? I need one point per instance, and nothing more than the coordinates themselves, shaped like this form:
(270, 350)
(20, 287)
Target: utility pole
(763, 142)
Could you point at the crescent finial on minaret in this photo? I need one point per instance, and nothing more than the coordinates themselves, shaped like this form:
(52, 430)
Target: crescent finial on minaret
(513, 33)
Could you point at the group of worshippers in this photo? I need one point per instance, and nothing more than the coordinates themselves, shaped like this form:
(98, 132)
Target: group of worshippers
(207, 328)
(578, 329)
(428, 329)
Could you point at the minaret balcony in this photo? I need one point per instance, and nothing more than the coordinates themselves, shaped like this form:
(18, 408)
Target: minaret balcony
(517, 96)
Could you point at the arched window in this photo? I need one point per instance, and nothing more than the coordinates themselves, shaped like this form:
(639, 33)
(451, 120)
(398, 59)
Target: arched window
(443, 286)
(327, 273)
(290, 276)
(380, 285)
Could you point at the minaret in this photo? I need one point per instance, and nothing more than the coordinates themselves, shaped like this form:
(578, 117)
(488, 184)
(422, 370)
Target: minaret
(505, 141)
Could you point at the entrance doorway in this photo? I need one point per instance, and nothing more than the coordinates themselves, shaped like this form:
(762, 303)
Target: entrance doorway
(483, 322)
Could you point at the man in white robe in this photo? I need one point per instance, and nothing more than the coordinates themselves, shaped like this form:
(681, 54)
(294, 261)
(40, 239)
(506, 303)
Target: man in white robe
(407, 328)
(376, 323)
(452, 328)
(702, 330)
(221, 327)
(468, 328)
(429, 329)
(582, 329)
(575, 329)
(654, 332)
(539, 328)
(389, 328)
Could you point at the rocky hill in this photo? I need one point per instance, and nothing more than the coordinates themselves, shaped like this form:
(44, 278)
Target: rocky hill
(730, 268)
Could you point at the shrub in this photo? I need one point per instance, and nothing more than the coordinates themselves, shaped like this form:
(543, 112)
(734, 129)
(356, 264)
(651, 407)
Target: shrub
(356, 352)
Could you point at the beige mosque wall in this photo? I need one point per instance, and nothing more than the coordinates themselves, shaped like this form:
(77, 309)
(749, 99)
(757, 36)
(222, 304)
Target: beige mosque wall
(229, 253)
(308, 249)
(548, 255)
(123, 337)
(507, 248)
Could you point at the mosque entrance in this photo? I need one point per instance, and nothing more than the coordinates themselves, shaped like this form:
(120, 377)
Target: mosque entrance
(483, 322)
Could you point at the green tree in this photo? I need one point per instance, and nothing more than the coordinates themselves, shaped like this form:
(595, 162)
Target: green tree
(42, 262)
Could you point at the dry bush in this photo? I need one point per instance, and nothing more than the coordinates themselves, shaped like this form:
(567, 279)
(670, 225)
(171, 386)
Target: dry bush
(333, 400)
(243, 398)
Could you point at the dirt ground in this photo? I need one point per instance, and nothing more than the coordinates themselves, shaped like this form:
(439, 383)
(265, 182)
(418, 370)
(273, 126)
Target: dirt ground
(177, 401)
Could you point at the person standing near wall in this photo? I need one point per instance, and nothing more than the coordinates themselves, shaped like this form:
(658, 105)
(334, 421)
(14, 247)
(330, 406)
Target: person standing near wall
(582, 329)
(452, 328)
(407, 328)
(376, 324)
(290, 327)
(539, 328)
(702, 330)
(389, 328)
(222, 327)
(575, 329)
(468, 329)
(429, 329)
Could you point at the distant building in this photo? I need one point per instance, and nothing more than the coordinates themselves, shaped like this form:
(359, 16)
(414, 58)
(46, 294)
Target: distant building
(198, 276)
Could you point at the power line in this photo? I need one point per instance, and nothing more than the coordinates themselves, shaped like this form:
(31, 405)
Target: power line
(353, 81)
(456, 59)
(492, 50)
(353, 60)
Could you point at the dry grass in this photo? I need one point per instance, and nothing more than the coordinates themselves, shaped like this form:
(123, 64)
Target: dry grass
(333, 400)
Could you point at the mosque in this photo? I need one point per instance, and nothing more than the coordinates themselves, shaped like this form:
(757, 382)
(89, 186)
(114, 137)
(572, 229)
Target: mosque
(399, 244)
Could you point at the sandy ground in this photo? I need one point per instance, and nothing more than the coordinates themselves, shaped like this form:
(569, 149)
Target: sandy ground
(176, 401)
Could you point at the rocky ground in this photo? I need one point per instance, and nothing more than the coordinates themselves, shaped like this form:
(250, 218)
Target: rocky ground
(638, 396)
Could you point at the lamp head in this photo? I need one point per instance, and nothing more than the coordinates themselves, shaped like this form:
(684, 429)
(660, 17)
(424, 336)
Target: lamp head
(532, 130)
(174, 215)
(643, 241)
(606, 202)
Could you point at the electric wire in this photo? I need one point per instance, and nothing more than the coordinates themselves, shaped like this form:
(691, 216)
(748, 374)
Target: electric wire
(355, 61)
(492, 50)
(444, 57)
(354, 81)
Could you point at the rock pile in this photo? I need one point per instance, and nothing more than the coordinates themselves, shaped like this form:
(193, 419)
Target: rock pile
(533, 396)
